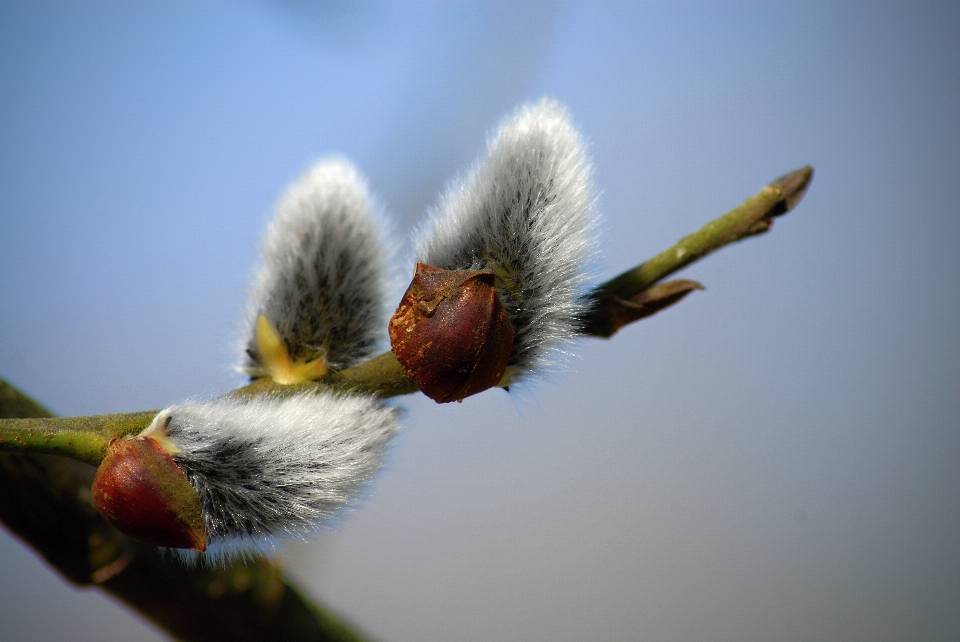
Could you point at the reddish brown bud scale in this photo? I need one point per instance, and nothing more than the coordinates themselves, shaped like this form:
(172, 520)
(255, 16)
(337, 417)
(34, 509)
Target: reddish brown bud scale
(451, 333)
(144, 494)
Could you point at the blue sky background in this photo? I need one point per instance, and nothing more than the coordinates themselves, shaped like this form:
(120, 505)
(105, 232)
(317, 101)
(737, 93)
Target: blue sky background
(776, 458)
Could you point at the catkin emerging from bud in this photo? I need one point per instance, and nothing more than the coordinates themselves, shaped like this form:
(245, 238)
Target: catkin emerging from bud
(318, 300)
(526, 213)
(267, 466)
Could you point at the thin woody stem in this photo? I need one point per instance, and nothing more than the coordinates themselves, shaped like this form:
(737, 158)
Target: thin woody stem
(628, 297)
(82, 438)
(612, 302)
(752, 217)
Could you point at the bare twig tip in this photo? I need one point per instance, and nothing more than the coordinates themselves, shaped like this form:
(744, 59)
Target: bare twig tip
(793, 186)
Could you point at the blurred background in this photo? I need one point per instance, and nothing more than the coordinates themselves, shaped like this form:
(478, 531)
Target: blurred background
(776, 458)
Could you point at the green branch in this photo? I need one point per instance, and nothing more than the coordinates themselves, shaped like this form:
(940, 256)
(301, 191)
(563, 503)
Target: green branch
(82, 438)
(46, 503)
(633, 295)
(752, 217)
(621, 300)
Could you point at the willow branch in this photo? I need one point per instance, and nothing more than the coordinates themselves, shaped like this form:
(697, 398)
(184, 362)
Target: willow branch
(82, 438)
(46, 503)
(633, 295)
(612, 300)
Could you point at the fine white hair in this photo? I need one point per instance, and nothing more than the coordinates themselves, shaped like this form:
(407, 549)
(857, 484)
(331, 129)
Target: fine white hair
(323, 278)
(275, 466)
(527, 213)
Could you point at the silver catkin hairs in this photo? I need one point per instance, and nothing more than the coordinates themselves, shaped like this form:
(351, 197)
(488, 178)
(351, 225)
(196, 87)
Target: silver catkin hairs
(317, 302)
(271, 467)
(527, 212)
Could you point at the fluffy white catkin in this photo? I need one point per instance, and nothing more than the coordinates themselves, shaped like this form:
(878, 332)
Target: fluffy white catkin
(271, 466)
(527, 213)
(322, 283)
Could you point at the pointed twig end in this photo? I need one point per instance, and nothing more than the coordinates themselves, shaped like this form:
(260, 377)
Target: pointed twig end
(793, 186)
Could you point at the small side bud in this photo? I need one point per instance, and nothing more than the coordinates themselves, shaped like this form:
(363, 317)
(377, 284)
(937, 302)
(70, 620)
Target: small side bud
(451, 333)
(144, 494)
(276, 358)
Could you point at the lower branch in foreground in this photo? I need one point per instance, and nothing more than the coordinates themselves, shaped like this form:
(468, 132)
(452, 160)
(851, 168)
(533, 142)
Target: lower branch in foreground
(46, 503)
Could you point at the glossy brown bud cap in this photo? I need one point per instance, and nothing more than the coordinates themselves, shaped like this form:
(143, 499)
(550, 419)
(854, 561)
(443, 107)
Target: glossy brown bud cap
(145, 495)
(451, 333)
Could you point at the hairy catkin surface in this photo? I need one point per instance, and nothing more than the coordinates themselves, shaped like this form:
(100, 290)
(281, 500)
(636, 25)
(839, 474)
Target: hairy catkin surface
(526, 212)
(323, 278)
(277, 466)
